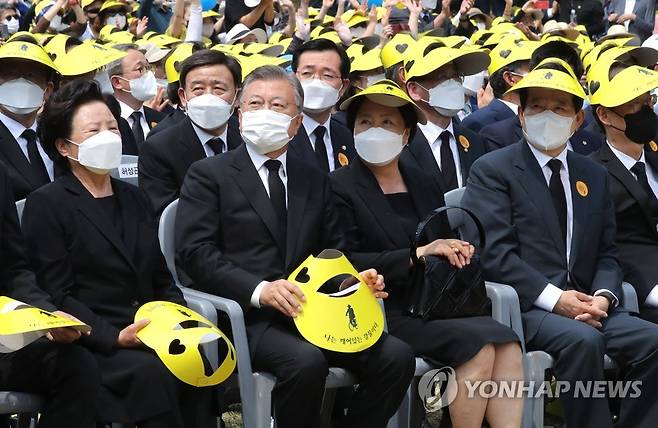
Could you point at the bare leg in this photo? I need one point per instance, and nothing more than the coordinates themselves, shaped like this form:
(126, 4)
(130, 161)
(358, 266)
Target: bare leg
(468, 412)
(503, 412)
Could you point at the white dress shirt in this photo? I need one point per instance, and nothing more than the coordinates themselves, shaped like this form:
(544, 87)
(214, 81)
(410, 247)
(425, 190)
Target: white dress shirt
(259, 163)
(628, 8)
(309, 125)
(16, 129)
(432, 133)
(551, 293)
(629, 162)
(511, 106)
(204, 137)
(126, 111)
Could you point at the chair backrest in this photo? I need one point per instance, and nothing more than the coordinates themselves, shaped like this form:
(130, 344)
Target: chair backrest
(128, 170)
(166, 230)
(20, 205)
(453, 198)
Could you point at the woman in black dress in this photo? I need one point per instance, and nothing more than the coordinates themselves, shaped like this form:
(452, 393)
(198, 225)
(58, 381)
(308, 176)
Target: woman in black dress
(93, 245)
(381, 197)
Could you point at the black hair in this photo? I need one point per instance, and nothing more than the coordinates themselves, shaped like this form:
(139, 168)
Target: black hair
(558, 49)
(208, 57)
(321, 45)
(523, 93)
(497, 82)
(56, 119)
(407, 111)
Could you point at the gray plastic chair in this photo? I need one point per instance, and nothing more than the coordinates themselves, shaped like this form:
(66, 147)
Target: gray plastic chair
(128, 170)
(20, 206)
(255, 387)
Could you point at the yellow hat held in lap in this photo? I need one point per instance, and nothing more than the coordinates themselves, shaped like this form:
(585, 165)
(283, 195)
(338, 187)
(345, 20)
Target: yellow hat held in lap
(176, 334)
(347, 321)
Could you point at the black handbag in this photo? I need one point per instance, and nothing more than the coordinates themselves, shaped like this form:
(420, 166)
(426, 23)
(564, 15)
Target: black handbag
(439, 290)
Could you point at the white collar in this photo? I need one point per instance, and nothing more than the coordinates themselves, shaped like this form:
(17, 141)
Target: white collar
(205, 136)
(126, 110)
(310, 124)
(432, 131)
(543, 158)
(15, 128)
(626, 160)
(259, 160)
(511, 106)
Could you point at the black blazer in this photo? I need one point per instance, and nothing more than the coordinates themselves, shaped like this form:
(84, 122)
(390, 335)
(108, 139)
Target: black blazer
(342, 141)
(17, 166)
(421, 152)
(130, 144)
(508, 192)
(494, 112)
(166, 157)
(509, 131)
(170, 120)
(17, 281)
(374, 236)
(85, 265)
(227, 236)
(637, 233)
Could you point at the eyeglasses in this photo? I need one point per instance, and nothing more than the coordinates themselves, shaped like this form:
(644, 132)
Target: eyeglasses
(327, 77)
(93, 11)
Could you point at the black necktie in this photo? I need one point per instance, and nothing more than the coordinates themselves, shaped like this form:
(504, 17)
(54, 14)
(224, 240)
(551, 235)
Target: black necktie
(320, 148)
(557, 194)
(138, 131)
(448, 163)
(640, 171)
(216, 144)
(36, 161)
(277, 193)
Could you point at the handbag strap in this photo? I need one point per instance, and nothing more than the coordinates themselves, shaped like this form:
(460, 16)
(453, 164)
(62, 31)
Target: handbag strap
(421, 228)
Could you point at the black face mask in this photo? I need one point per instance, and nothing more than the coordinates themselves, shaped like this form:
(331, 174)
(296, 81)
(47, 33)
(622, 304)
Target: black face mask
(641, 126)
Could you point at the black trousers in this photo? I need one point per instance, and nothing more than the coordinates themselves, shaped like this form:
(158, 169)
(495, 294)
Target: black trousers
(384, 372)
(578, 350)
(66, 375)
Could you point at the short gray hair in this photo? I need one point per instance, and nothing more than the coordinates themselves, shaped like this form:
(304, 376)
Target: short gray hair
(116, 67)
(273, 72)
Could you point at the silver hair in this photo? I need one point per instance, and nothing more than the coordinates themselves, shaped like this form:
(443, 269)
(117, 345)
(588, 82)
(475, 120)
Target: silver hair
(116, 67)
(272, 72)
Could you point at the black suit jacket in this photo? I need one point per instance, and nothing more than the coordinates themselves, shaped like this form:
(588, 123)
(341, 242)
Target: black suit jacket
(170, 120)
(637, 233)
(374, 235)
(17, 166)
(16, 280)
(130, 145)
(166, 157)
(509, 131)
(508, 192)
(87, 267)
(494, 112)
(421, 152)
(227, 231)
(342, 141)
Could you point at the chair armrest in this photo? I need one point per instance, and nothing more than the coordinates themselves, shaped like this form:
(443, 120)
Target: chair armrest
(505, 307)
(630, 298)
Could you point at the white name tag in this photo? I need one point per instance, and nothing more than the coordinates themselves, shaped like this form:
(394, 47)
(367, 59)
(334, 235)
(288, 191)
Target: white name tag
(128, 170)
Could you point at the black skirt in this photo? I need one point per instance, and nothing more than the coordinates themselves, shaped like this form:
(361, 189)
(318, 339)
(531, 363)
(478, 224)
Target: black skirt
(450, 342)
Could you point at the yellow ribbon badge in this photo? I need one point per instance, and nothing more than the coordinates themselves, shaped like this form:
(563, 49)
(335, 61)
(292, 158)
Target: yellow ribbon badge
(582, 189)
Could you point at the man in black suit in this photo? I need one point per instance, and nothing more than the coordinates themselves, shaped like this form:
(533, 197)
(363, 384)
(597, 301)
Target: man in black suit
(630, 155)
(24, 85)
(64, 373)
(509, 63)
(209, 83)
(324, 69)
(550, 234)
(246, 220)
(443, 147)
(134, 83)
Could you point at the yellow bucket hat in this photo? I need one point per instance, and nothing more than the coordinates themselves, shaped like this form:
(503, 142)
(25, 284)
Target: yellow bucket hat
(387, 93)
(544, 77)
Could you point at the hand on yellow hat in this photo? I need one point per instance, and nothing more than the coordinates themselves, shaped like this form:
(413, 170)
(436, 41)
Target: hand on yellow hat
(128, 336)
(283, 296)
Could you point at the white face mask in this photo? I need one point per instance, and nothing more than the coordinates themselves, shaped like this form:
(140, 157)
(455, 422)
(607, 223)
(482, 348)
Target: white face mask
(209, 111)
(429, 4)
(103, 80)
(358, 32)
(319, 95)
(447, 97)
(100, 153)
(144, 87)
(371, 80)
(378, 146)
(21, 96)
(208, 29)
(116, 20)
(547, 130)
(473, 83)
(265, 130)
(12, 25)
(162, 83)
